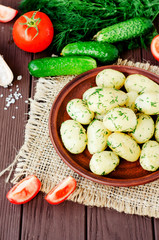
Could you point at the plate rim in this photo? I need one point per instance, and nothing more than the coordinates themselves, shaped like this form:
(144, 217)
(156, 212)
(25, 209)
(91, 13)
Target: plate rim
(86, 174)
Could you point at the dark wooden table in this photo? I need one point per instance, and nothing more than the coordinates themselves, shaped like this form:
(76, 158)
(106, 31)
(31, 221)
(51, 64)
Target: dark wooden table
(37, 220)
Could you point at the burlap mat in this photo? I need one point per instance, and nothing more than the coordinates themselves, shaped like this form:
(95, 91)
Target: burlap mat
(37, 156)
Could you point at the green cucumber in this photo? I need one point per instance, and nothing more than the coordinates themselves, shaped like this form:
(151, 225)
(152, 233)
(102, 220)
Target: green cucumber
(131, 28)
(56, 66)
(102, 52)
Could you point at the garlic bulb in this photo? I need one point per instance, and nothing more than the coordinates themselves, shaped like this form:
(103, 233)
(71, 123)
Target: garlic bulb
(6, 75)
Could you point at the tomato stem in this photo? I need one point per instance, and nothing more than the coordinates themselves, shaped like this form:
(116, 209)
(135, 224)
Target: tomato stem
(31, 22)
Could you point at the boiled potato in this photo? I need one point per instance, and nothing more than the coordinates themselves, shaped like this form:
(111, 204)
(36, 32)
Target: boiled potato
(120, 119)
(144, 129)
(104, 162)
(77, 109)
(73, 136)
(148, 103)
(105, 99)
(89, 91)
(140, 84)
(149, 158)
(99, 116)
(157, 129)
(130, 103)
(124, 146)
(110, 78)
(97, 137)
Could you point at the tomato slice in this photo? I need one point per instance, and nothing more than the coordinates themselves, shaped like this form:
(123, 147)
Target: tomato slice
(155, 47)
(7, 13)
(25, 190)
(62, 191)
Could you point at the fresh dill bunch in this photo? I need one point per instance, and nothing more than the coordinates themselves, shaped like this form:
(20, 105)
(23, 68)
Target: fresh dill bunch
(79, 20)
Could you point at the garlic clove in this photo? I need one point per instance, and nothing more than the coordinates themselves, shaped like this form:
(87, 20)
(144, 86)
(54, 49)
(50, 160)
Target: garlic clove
(6, 75)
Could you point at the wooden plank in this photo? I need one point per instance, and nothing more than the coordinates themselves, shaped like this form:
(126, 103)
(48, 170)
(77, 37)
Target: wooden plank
(132, 55)
(156, 229)
(42, 221)
(12, 130)
(148, 57)
(103, 223)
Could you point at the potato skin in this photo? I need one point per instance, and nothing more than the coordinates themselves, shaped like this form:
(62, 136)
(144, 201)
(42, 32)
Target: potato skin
(148, 103)
(109, 112)
(105, 99)
(97, 137)
(110, 78)
(157, 129)
(144, 129)
(120, 119)
(124, 146)
(104, 162)
(73, 136)
(130, 103)
(99, 116)
(89, 91)
(149, 158)
(78, 110)
(140, 84)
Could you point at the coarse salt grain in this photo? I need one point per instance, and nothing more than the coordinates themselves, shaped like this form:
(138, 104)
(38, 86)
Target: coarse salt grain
(19, 77)
(10, 90)
(11, 98)
(17, 95)
(26, 101)
(13, 117)
(16, 107)
(1, 95)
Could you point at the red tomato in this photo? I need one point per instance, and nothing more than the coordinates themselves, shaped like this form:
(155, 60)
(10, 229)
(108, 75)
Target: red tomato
(7, 13)
(62, 191)
(25, 190)
(155, 47)
(33, 31)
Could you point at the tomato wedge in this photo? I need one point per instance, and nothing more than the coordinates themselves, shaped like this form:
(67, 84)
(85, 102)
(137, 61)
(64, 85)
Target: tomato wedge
(62, 191)
(25, 190)
(7, 13)
(155, 47)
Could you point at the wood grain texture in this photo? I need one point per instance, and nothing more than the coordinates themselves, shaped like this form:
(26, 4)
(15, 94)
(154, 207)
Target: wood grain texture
(38, 220)
(156, 228)
(132, 55)
(42, 221)
(12, 130)
(109, 224)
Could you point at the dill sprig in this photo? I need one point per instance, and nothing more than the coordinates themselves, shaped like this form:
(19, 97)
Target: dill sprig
(79, 20)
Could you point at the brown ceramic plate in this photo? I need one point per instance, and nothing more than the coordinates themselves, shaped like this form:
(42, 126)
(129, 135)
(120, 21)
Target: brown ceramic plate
(127, 173)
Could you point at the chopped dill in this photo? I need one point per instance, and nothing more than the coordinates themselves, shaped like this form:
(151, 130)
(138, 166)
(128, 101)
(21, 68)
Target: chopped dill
(79, 20)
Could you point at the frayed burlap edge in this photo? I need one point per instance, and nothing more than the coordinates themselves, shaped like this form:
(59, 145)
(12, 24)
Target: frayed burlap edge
(120, 199)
